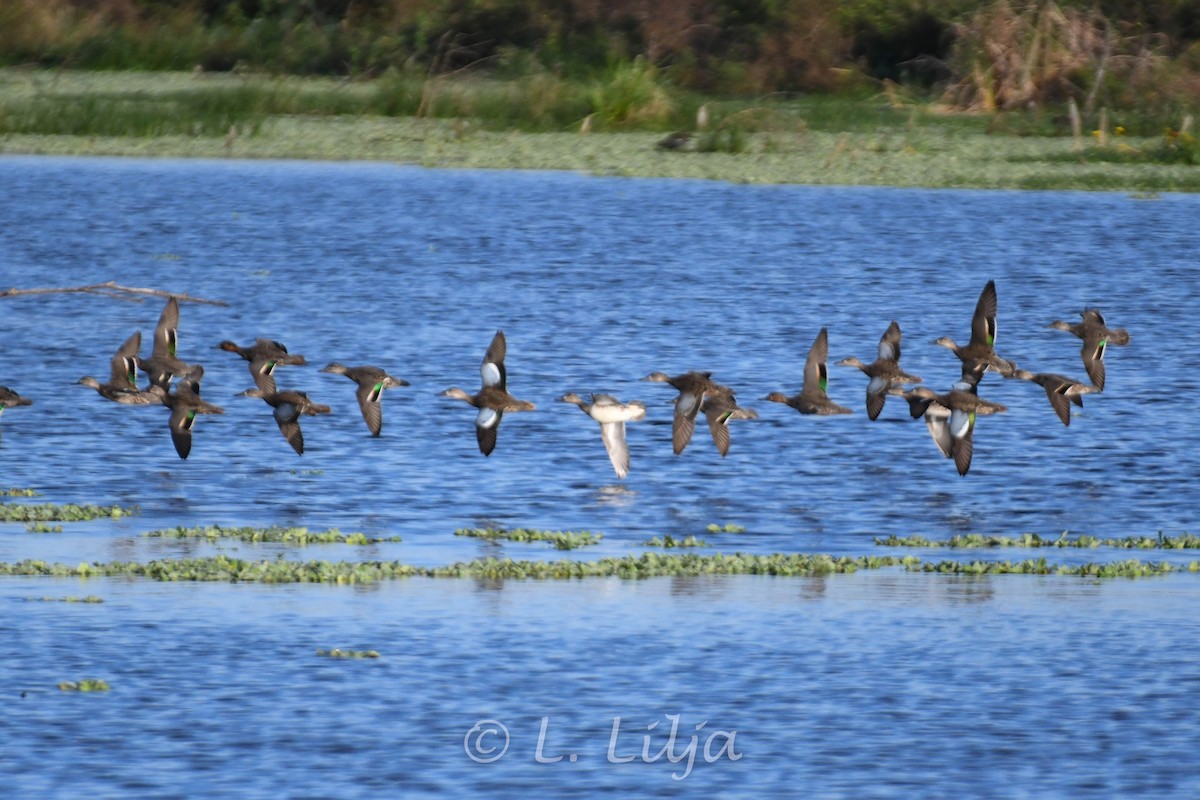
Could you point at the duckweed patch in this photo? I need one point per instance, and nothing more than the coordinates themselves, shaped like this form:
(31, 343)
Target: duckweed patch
(1185, 541)
(562, 540)
(228, 569)
(728, 527)
(668, 541)
(42, 527)
(647, 565)
(91, 598)
(86, 685)
(52, 512)
(18, 492)
(224, 569)
(337, 652)
(1131, 568)
(300, 536)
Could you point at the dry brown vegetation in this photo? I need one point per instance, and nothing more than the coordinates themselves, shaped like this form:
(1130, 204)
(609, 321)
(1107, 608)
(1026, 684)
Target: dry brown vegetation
(1000, 55)
(1012, 58)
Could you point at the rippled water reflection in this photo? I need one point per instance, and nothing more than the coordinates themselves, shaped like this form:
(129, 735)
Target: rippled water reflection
(892, 684)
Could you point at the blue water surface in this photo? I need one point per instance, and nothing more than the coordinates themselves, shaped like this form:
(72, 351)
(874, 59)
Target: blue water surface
(882, 684)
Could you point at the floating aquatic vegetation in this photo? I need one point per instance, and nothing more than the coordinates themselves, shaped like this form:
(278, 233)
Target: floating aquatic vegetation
(271, 534)
(226, 568)
(670, 541)
(52, 512)
(651, 565)
(562, 540)
(728, 527)
(337, 652)
(91, 598)
(1131, 568)
(42, 527)
(86, 685)
(1185, 541)
(646, 565)
(18, 493)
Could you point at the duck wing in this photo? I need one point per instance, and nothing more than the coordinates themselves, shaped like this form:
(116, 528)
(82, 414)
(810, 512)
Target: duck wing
(983, 323)
(1056, 391)
(1094, 345)
(262, 371)
(123, 367)
(370, 403)
(492, 368)
(816, 373)
(937, 420)
(166, 332)
(291, 431)
(877, 392)
(613, 434)
(962, 449)
(889, 343)
(181, 422)
(487, 426)
(718, 417)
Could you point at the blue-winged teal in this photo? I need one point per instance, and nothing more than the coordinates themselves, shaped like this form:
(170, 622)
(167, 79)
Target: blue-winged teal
(980, 353)
(718, 408)
(693, 387)
(288, 407)
(885, 372)
(612, 415)
(493, 398)
(263, 356)
(10, 399)
(1097, 336)
(185, 404)
(812, 398)
(951, 418)
(163, 363)
(371, 383)
(1061, 390)
(121, 386)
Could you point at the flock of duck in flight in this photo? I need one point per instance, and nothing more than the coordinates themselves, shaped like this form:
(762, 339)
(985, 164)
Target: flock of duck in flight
(950, 417)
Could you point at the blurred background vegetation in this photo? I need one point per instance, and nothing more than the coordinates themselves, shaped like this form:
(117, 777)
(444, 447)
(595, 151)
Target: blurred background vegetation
(629, 63)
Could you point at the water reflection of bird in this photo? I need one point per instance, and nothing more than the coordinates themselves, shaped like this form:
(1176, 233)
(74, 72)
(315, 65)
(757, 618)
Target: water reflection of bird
(612, 415)
(371, 383)
(493, 398)
(1097, 336)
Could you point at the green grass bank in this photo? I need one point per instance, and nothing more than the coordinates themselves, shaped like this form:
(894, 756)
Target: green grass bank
(607, 128)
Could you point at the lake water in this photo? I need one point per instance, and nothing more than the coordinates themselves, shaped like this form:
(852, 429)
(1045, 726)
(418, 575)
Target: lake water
(877, 684)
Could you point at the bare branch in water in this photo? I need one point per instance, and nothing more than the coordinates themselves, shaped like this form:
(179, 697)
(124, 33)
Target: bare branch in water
(114, 290)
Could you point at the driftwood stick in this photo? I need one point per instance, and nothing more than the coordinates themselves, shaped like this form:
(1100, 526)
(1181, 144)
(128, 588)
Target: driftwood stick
(115, 290)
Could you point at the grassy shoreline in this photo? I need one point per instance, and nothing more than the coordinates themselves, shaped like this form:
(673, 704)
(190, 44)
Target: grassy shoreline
(861, 143)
